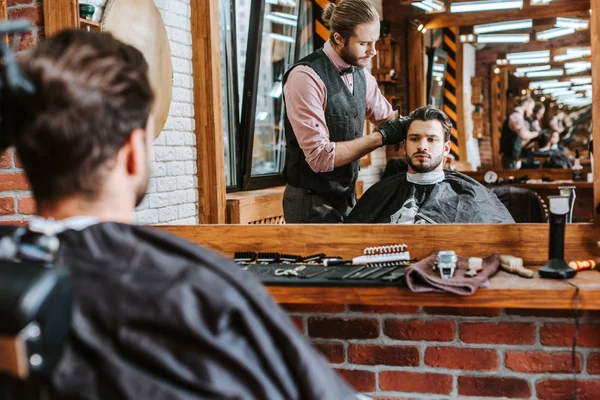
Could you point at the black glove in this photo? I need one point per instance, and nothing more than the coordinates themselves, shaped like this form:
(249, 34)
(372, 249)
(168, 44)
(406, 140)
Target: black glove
(393, 131)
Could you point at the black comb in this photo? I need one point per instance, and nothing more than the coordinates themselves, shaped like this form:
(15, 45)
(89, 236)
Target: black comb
(267, 258)
(289, 258)
(315, 258)
(244, 256)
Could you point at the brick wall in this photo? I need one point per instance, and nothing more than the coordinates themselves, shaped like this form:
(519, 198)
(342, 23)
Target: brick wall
(173, 192)
(450, 353)
(488, 56)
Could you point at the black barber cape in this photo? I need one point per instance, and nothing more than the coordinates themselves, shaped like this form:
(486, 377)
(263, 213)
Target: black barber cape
(156, 317)
(458, 199)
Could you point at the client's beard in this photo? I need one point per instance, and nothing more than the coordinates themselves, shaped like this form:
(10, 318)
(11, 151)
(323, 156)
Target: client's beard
(435, 162)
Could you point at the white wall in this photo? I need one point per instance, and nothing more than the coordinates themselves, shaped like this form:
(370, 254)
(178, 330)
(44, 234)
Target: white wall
(173, 192)
(468, 73)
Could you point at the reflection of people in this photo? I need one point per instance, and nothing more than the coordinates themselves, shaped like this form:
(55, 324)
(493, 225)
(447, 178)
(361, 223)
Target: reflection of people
(328, 95)
(548, 147)
(535, 118)
(154, 316)
(427, 193)
(515, 130)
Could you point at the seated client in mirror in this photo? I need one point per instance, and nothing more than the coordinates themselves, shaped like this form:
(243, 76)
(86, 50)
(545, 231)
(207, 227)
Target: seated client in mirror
(426, 193)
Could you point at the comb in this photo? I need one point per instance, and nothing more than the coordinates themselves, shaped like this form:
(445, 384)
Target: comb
(244, 257)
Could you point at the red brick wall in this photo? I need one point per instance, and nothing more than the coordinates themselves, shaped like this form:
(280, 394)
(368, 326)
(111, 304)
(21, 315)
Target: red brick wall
(427, 352)
(486, 57)
(16, 202)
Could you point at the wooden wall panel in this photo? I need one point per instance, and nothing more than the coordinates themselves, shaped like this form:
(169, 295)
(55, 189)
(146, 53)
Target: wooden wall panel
(416, 75)
(208, 111)
(59, 15)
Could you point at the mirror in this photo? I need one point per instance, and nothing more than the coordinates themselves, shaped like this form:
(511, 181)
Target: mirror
(436, 76)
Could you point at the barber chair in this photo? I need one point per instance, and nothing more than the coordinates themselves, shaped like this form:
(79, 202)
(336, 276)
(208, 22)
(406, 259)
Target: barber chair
(525, 205)
(35, 313)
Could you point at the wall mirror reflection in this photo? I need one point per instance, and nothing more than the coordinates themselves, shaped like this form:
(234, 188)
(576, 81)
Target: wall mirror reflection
(476, 65)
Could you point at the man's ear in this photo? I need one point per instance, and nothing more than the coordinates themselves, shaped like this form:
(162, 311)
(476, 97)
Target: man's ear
(135, 151)
(338, 39)
(447, 148)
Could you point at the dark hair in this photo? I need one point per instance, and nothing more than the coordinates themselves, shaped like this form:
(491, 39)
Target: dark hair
(91, 92)
(347, 15)
(544, 139)
(538, 106)
(429, 113)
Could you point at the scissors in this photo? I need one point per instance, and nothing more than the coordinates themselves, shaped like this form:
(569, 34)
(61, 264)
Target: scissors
(290, 271)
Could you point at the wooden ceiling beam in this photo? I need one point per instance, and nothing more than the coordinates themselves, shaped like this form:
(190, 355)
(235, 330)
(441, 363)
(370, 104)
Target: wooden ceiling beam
(572, 8)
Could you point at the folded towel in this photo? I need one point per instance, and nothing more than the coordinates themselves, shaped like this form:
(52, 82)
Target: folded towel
(421, 277)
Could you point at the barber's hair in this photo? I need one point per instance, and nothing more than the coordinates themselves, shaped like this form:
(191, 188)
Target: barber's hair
(346, 16)
(519, 101)
(91, 92)
(429, 113)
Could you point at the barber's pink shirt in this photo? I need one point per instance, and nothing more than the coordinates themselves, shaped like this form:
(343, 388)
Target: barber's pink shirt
(306, 100)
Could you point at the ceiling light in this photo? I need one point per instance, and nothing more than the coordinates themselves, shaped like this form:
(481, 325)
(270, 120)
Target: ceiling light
(525, 70)
(536, 2)
(537, 60)
(423, 6)
(557, 91)
(497, 70)
(554, 32)
(503, 26)
(582, 80)
(579, 64)
(508, 38)
(571, 23)
(502, 61)
(485, 5)
(565, 57)
(528, 54)
(552, 72)
(518, 74)
(582, 87)
(554, 83)
(578, 70)
(470, 38)
(583, 51)
(542, 99)
(435, 4)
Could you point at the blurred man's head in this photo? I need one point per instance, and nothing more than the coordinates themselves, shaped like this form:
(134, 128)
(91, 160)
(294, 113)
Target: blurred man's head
(88, 128)
(427, 139)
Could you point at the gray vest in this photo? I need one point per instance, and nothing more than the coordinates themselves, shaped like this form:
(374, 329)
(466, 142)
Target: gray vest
(345, 117)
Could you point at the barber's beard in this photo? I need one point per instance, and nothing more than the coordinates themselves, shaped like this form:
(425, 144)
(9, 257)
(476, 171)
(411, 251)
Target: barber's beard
(352, 59)
(420, 168)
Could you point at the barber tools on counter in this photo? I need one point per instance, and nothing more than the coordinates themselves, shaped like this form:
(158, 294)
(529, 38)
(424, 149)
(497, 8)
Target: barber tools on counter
(378, 266)
(444, 271)
(557, 267)
(514, 265)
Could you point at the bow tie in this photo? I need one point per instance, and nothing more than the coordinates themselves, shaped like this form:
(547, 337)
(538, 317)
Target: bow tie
(348, 70)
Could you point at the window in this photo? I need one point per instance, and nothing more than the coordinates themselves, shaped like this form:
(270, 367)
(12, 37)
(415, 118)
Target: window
(252, 85)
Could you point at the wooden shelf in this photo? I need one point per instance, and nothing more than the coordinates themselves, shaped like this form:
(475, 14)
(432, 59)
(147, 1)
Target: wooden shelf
(89, 25)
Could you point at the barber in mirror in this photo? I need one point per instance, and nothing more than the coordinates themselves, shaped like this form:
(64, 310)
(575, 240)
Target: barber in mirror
(328, 95)
(516, 132)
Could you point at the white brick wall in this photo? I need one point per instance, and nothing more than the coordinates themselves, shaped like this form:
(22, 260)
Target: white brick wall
(172, 196)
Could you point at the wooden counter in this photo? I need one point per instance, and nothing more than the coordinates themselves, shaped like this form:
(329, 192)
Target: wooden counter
(505, 291)
(528, 241)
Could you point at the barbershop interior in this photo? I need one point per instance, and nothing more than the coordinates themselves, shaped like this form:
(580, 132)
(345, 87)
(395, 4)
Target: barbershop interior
(299, 199)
